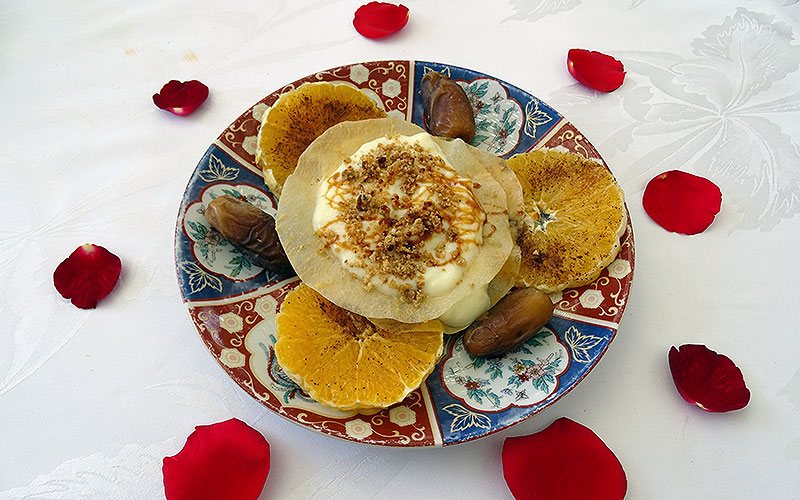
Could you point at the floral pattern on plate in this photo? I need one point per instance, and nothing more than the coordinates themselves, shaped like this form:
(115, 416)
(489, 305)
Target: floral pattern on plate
(213, 252)
(522, 377)
(507, 119)
(498, 119)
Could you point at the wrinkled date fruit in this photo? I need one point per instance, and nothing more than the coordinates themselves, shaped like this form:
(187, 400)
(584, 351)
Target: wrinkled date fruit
(448, 112)
(250, 229)
(512, 321)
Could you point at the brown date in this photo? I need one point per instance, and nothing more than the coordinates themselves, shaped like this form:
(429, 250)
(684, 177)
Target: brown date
(448, 112)
(250, 229)
(512, 321)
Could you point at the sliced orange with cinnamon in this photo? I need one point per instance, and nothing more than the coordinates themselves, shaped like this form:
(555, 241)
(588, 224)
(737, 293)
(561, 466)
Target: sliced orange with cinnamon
(345, 361)
(574, 218)
(300, 116)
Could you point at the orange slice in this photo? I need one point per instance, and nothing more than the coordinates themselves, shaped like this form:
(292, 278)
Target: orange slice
(574, 218)
(344, 361)
(300, 116)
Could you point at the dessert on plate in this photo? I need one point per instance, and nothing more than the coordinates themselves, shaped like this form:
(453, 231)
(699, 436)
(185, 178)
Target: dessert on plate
(400, 237)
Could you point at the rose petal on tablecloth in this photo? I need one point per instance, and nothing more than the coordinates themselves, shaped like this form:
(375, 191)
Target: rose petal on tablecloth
(224, 461)
(709, 380)
(181, 98)
(378, 19)
(87, 275)
(595, 69)
(681, 202)
(565, 461)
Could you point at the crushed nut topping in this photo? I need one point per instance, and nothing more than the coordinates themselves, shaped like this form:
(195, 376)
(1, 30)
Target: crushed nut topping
(403, 210)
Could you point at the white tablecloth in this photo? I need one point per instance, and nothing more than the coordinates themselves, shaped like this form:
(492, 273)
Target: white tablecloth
(91, 401)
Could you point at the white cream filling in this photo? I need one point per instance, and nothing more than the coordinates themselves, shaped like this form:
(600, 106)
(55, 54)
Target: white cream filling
(464, 312)
(438, 279)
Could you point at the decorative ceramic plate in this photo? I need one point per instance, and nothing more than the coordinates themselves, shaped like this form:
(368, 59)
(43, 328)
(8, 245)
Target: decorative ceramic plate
(233, 302)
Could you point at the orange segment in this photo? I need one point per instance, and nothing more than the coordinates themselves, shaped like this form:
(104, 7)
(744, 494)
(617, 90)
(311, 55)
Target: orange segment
(574, 218)
(300, 116)
(345, 361)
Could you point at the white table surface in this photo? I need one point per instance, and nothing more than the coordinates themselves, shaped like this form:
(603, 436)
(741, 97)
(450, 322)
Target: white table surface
(91, 401)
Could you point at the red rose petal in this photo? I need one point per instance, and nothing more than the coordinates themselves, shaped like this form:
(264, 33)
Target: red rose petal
(566, 461)
(87, 275)
(707, 379)
(224, 461)
(595, 69)
(181, 98)
(682, 202)
(378, 19)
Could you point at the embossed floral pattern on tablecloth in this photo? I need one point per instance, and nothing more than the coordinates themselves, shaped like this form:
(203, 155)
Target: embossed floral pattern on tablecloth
(721, 112)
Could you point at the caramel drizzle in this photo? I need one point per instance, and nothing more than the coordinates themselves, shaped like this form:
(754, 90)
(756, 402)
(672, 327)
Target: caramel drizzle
(388, 232)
